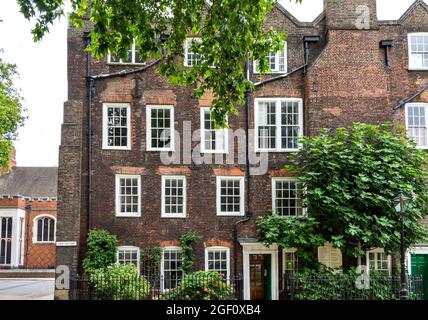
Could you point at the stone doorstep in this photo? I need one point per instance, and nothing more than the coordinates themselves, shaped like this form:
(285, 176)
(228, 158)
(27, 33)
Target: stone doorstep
(23, 273)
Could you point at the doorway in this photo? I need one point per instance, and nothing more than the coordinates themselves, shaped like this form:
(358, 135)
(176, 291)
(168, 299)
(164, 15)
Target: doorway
(260, 277)
(419, 267)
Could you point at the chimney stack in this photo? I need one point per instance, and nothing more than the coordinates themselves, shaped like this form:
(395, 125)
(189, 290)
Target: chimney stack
(351, 14)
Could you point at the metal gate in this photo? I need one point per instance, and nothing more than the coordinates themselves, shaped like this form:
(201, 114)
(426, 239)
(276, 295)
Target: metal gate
(5, 241)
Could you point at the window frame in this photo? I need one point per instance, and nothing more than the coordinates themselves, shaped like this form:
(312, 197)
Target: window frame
(225, 148)
(162, 266)
(276, 70)
(406, 111)
(105, 145)
(412, 67)
(186, 49)
(296, 260)
(130, 248)
(241, 196)
(219, 248)
(278, 136)
(149, 109)
(36, 231)
(273, 184)
(118, 213)
(133, 63)
(163, 198)
(376, 251)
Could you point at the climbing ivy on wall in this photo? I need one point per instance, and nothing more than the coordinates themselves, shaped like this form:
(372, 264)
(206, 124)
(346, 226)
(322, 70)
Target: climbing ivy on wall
(187, 242)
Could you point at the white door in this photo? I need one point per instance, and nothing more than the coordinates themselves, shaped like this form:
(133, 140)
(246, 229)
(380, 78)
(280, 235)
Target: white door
(5, 241)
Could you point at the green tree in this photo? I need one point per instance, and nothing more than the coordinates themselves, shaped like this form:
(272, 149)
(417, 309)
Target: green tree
(101, 251)
(228, 30)
(11, 111)
(350, 177)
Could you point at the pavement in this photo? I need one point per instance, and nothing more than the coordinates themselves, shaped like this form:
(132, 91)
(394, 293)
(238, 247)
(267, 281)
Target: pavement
(27, 289)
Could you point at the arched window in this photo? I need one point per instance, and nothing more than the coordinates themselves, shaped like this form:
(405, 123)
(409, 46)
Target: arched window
(44, 229)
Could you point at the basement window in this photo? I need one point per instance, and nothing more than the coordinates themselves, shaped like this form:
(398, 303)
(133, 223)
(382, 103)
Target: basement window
(128, 196)
(416, 123)
(132, 57)
(277, 61)
(212, 140)
(287, 197)
(279, 124)
(418, 51)
(173, 196)
(230, 196)
(160, 128)
(116, 126)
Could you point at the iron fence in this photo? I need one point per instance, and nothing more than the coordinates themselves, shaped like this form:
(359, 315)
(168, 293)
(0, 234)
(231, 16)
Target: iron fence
(347, 287)
(142, 287)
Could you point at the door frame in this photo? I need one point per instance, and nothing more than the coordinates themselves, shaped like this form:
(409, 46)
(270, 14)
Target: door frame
(414, 250)
(258, 248)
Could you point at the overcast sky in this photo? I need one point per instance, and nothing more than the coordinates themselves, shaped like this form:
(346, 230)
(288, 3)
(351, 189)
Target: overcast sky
(43, 73)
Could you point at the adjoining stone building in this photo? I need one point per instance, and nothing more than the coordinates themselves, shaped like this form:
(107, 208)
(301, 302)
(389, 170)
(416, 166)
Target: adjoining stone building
(114, 172)
(28, 205)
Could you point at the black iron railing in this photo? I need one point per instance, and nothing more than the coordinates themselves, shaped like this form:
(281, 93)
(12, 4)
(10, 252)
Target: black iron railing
(186, 287)
(348, 287)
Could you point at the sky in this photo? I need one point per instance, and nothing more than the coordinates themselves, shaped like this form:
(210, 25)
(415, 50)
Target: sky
(43, 73)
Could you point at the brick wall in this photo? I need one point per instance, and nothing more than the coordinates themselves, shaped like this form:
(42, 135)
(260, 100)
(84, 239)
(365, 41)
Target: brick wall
(347, 81)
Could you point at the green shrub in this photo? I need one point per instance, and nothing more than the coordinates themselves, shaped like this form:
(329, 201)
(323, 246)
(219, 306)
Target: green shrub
(201, 285)
(101, 251)
(119, 282)
(342, 286)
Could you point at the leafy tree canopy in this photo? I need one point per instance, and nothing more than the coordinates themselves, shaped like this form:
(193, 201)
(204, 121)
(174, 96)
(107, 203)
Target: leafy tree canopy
(11, 110)
(228, 30)
(350, 178)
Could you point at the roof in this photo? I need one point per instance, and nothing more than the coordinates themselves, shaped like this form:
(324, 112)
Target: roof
(32, 182)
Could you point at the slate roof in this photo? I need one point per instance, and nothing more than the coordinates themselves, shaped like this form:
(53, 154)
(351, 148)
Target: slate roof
(33, 182)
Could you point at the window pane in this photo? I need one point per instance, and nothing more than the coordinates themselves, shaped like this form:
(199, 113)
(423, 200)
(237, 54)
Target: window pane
(287, 195)
(117, 127)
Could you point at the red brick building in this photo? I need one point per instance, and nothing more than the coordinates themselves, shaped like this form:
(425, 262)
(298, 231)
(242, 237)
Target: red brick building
(28, 211)
(124, 155)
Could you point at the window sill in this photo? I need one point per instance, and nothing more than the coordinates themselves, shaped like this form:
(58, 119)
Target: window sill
(272, 72)
(116, 149)
(277, 151)
(230, 214)
(159, 150)
(128, 215)
(418, 69)
(44, 242)
(126, 64)
(164, 216)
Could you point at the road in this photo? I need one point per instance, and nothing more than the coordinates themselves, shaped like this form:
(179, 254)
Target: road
(27, 289)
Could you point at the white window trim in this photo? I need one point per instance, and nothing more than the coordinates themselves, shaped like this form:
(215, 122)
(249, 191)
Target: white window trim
(278, 123)
(117, 196)
(225, 148)
(208, 249)
(126, 63)
(186, 50)
(35, 231)
(130, 248)
(162, 269)
(416, 104)
(378, 250)
(105, 127)
(409, 48)
(255, 63)
(242, 196)
(288, 250)
(149, 109)
(170, 215)
(274, 180)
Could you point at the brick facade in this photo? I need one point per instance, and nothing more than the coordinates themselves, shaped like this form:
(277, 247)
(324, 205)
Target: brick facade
(346, 81)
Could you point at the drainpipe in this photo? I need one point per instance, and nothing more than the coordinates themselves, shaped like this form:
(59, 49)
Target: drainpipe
(27, 232)
(89, 132)
(247, 167)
